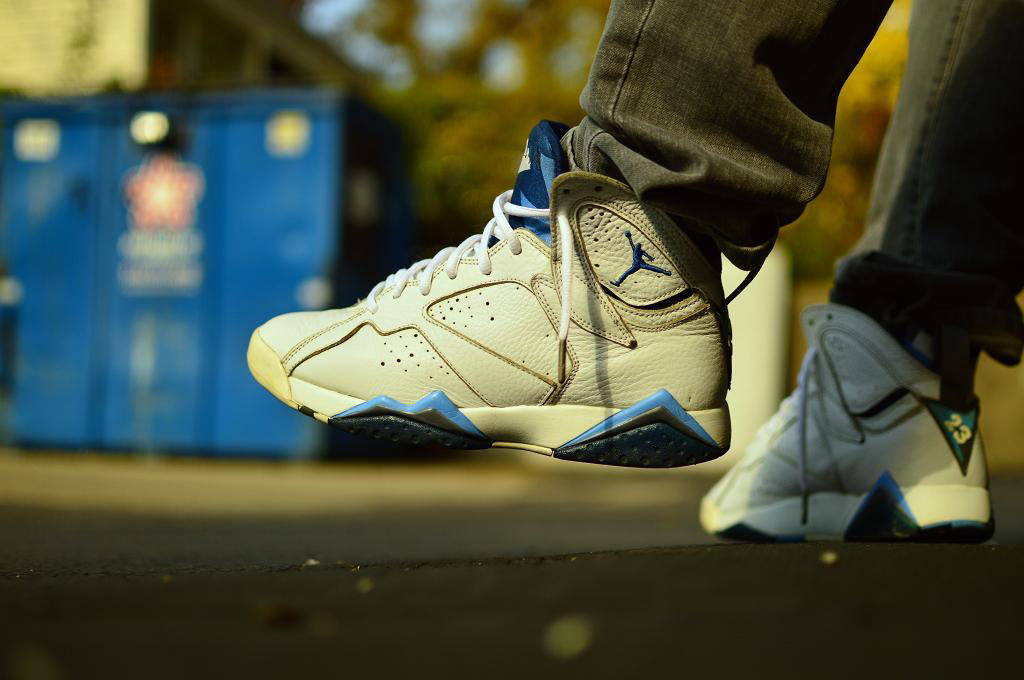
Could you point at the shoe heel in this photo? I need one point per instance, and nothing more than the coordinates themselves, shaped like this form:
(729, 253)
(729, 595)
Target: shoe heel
(654, 445)
(922, 513)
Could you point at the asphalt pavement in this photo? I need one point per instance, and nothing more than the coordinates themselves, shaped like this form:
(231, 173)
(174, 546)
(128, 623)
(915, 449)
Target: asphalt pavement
(465, 566)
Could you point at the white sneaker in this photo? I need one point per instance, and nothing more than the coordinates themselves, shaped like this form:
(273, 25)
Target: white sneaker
(860, 451)
(621, 359)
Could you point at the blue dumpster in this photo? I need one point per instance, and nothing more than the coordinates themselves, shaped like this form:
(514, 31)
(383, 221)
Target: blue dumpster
(147, 235)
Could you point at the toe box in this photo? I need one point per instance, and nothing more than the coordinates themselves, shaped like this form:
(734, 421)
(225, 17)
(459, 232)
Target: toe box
(265, 365)
(284, 333)
(283, 341)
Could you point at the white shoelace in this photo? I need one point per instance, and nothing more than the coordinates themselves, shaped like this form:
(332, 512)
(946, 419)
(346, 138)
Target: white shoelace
(498, 227)
(802, 379)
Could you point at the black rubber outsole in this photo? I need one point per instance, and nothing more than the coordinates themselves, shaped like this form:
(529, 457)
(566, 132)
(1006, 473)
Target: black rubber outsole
(407, 431)
(942, 533)
(952, 533)
(654, 445)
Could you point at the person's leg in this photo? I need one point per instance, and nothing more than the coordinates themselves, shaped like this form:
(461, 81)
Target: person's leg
(949, 177)
(721, 113)
(943, 251)
(879, 442)
(580, 292)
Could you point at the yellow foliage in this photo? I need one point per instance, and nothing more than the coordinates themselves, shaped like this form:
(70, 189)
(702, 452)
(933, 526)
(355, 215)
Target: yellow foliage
(466, 135)
(835, 220)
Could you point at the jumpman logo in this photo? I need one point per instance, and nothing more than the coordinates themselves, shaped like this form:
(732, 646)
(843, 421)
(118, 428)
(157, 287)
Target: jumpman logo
(641, 258)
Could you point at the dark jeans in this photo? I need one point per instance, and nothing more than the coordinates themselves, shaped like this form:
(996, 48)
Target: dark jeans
(950, 177)
(721, 112)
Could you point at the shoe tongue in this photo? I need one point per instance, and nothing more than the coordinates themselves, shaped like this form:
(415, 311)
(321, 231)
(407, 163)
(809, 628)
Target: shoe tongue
(543, 161)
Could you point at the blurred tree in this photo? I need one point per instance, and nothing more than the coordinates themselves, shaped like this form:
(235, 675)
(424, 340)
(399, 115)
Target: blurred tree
(467, 79)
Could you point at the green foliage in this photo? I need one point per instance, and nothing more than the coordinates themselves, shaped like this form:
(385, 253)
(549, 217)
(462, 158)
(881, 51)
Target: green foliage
(466, 134)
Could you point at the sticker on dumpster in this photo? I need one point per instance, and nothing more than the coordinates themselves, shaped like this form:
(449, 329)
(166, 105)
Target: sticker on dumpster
(288, 134)
(36, 139)
(161, 251)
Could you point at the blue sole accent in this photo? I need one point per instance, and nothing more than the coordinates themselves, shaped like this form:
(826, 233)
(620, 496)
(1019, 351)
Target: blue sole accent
(652, 445)
(404, 430)
(436, 403)
(957, 524)
(883, 516)
(957, 531)
(661, 403)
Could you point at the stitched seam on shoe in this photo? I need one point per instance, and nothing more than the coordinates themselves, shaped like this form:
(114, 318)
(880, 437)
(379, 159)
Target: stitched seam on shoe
(302, 343)
(590, 279)
(535, 283)
(479, 344)
(381, 333)
(573, 374)
(683, 273)
(697, 314)
(582, 322)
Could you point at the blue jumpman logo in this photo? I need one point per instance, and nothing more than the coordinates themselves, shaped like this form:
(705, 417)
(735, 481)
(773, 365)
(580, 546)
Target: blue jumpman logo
(640, 261)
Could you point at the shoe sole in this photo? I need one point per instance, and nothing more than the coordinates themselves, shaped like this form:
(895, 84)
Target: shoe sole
(655, 433)
(886, 513)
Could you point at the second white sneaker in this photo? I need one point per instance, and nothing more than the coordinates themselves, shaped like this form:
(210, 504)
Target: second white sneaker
(861, 451)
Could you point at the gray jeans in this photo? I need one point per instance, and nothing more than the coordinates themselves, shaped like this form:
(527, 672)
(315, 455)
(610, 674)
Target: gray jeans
(721, 112)
(950, 177)
(943, 250)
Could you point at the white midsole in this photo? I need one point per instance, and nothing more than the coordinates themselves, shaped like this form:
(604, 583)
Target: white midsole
(535, 426)
(829, 514)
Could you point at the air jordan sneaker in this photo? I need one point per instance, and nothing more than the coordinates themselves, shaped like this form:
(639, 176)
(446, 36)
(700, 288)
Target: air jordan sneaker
(581, 324)
(862, 450)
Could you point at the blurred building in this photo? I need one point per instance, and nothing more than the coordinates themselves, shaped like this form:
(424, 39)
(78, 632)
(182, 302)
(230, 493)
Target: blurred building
(204, 164)
(184, 221)
(81, 46)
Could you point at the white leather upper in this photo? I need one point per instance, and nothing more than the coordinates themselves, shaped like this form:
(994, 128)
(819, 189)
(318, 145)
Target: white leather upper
(485, 315)
(857, 365)
(491, 339)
